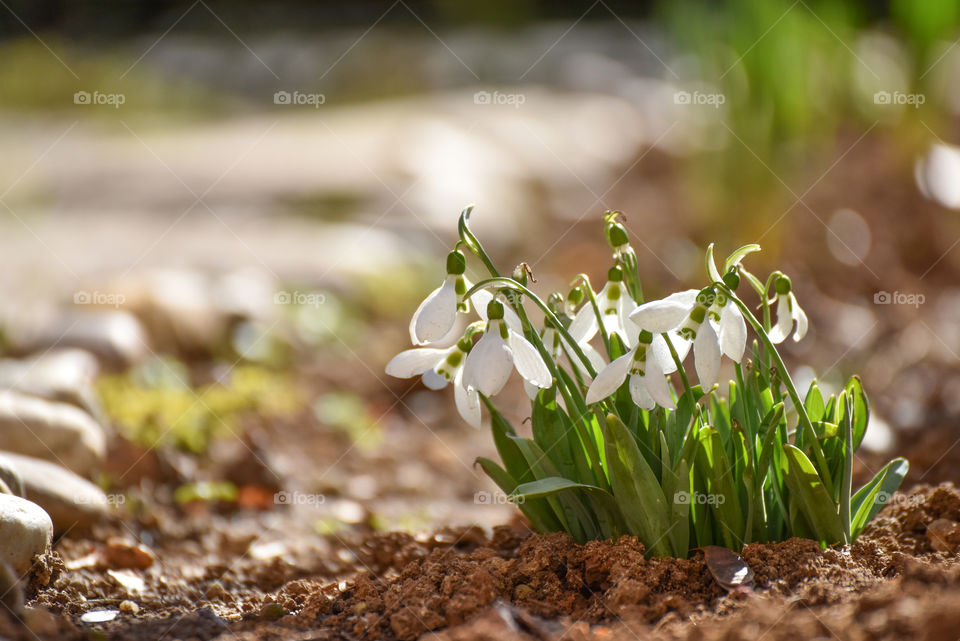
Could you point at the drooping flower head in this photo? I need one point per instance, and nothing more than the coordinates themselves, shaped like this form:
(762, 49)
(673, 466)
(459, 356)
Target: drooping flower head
(615, 305)
(438, 367)
(489, 363)
(438, 312)
(788, 312)
(648, 387)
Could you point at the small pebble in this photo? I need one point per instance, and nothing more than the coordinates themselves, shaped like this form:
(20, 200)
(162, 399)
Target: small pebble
(130, 607)
(120, 553)
(99, 616)
(944, 535)
(271, 611)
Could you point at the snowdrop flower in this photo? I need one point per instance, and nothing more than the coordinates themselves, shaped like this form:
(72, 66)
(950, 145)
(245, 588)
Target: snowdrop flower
(729, 320)
(683, 314)
(618, 238)
(437, 368)
(438, 312)
(788, 311)
(615, 306)
(502, 349)
(648, 387)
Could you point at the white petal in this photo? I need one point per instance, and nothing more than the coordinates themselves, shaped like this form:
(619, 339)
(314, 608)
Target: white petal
(584, 325)
(779, 332)
(801, 317)
(528, 361)
(414, 362)
(656, 384)
(611, 325)
(433, 380)
(706, 352)
(639, 394)
(608, 380)
(468, 403)
(661, 316)
(480, 300)
(531, 389)
(733, 332)
(488, 364)
(436, 314)
(630, 330)
(595, 358)
(662, 352)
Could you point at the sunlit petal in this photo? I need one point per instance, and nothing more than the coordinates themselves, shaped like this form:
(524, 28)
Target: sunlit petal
(779, 332)
(436, 314)
(706, 353)
(488, 364)
(733, 332)
(639, 393)
(433, 380)
(653, 379)
(468, 403)
(801, 317)
(662, 315)
(528, 361)
(609, 379)
(414, 362)
(584, 325)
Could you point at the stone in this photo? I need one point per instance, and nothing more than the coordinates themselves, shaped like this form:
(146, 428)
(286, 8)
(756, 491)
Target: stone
(944, 535)
(50, 430)
(25, 531)
(64, 375)
(70, 500)
(116, 337)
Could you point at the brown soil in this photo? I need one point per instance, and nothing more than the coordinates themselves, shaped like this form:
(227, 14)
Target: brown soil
(514, 584)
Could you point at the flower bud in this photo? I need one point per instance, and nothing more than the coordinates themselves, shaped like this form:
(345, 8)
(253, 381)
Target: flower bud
(456, 263)
(555, 303)
(617, 235)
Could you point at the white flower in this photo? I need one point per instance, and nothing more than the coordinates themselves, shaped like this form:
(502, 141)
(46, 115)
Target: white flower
(437, 367)
(437, 314)
(683, 315)
(788, 311)
(489, 363)
(557, 346)
(648, 387)
(615, 306)
(732, 327)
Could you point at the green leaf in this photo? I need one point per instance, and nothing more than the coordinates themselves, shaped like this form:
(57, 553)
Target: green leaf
(816, 410)
(861, 409)
(738, 255)
(712, 270)
(538, 512)
(602, 501)
(637, 489)
(871, 498)
(808, 494)
(714, 468)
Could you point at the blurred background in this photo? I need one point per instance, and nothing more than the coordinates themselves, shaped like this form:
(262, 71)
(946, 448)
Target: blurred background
(236, 206)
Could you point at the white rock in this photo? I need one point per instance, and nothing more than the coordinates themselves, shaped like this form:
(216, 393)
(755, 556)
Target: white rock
(58, 375)
(71, 501)
(50, 430)
(25, 530)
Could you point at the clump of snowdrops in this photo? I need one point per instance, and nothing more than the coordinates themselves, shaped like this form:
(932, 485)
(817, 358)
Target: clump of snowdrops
(624, 439)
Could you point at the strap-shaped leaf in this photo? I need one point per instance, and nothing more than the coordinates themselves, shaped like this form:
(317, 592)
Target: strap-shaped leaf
(602, 501)
(538, 511)
(808, 493)
(871, 498)
(861, 409)
(816, 409)
(636, 489)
